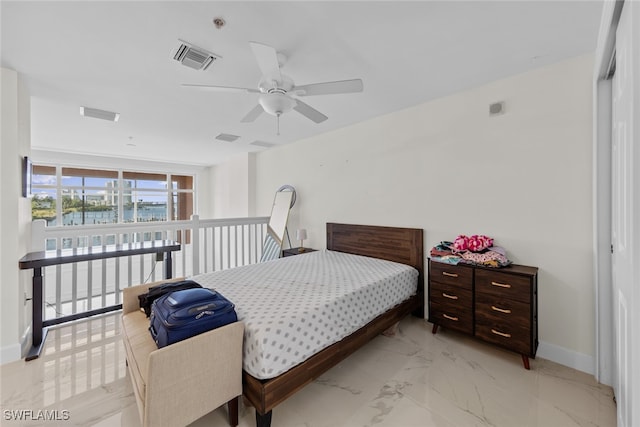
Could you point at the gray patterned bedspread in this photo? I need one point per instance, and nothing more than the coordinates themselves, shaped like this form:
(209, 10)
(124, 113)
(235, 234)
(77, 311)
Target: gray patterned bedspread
(294, 307)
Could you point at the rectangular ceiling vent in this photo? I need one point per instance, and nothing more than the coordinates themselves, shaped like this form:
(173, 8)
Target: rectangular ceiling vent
(263, 144)
(227, 137)
(99, 114)
(194, 57)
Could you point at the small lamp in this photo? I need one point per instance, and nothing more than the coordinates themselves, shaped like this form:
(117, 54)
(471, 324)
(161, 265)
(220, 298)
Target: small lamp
(301, 234)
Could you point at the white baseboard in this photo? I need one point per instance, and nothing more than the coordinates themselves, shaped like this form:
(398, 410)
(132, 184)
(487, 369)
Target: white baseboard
(14, 352)
(10, 353)
(573, 359)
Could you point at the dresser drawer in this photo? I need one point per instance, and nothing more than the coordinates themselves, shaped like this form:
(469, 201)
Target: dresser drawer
(495, 310)
(511, 336)
(451, 295)
(503, 285)
(451, 306)
(451, 275)
(452, 317)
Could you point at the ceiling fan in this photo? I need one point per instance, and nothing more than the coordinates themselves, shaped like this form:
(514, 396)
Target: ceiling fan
(277, 90)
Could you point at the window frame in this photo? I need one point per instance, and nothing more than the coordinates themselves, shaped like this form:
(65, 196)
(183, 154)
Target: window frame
(182, 192)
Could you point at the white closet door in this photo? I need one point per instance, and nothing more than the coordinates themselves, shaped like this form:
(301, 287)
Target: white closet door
(625, 211)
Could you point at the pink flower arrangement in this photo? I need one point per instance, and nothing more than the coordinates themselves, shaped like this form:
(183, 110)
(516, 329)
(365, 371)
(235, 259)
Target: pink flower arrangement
(475, 243)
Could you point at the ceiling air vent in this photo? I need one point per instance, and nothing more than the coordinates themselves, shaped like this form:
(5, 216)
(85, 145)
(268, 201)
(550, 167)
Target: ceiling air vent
(99, 114)
(227, 137)
(263, 144)
(194, 57)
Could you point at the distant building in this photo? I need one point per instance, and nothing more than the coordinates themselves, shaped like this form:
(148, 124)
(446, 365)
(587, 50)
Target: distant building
(111, 194)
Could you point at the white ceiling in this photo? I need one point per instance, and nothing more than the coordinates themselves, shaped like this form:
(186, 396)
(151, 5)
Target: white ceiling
(118, 56)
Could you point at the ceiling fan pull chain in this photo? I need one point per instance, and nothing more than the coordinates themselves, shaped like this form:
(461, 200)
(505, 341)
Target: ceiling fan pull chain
(278, 125)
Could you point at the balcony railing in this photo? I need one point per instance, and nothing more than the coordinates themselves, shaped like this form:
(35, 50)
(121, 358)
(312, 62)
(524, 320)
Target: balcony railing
(206, 245)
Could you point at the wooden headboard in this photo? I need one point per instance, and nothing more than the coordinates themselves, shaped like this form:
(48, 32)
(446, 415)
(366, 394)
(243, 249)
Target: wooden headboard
(403, 245)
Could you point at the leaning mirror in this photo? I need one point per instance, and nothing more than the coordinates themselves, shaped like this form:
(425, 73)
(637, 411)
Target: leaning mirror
(277, 226)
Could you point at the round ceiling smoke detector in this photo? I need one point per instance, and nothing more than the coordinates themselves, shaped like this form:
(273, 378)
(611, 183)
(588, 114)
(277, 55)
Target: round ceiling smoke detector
(219, 22)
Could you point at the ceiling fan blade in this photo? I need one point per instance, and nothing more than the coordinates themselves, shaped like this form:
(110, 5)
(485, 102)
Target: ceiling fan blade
(309, 112)
(222, 88)
(329, 88)
(253, 114)
(267, 58)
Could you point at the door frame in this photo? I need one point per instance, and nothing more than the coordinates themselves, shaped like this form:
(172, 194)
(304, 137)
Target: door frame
(602, 120)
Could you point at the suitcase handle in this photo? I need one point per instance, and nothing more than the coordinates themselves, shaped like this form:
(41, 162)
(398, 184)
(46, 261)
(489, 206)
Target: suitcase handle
(204, 313)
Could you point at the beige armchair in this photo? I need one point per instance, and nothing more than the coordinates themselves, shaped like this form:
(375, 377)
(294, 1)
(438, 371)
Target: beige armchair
(182, 382)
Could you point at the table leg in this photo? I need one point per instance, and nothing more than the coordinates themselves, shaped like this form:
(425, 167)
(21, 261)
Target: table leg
(167, 266)
(38, 334)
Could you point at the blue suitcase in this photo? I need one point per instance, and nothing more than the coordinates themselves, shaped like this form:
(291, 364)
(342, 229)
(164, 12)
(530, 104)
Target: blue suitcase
(182, 314)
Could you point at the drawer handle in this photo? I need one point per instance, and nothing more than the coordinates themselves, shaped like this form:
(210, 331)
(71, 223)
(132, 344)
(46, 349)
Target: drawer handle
(502, 285)
(502, 334)
(446, 316)
(444, 273)
(449, 296)
(501, 310)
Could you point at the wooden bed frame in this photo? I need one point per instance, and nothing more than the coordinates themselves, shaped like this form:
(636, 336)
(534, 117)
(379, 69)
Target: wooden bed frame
(403, 245)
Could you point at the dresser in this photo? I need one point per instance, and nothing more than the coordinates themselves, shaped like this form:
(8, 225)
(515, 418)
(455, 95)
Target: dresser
(496, 305)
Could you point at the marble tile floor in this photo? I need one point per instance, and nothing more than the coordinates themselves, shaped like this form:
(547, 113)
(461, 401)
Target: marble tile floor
(414, 378)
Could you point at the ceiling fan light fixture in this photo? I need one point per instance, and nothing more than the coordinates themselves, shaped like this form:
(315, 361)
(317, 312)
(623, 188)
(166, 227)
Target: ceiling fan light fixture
(278, 90)
(276, 103)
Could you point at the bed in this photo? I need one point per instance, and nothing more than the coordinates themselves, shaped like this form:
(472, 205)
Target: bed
(276, 363)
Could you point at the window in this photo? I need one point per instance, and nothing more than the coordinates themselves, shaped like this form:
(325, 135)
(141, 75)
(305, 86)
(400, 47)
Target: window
(85, 196)
(45, 196)
(146, 197)
(77, 196)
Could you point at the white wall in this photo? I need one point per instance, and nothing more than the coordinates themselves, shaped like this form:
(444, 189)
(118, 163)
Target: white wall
(232, 188)
(523, 177)
(15, 216)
